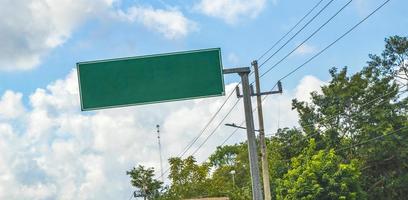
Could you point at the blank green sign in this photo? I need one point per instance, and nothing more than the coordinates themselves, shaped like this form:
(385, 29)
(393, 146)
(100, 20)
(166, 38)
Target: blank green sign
(150, 79)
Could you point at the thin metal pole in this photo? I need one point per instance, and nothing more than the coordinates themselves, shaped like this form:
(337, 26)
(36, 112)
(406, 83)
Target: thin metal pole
(253, 156)
(160, 152)
(233, 178)
(264, 155)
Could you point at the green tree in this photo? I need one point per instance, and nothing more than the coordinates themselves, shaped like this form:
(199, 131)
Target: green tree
(352, 138)
(213, 178)
(188, 179)
(354, 109)
(320, 175)
(394, 59)
(230, 175)
(142, 179)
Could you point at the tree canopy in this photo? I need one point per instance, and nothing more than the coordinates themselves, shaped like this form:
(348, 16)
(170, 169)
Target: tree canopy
(352, 143)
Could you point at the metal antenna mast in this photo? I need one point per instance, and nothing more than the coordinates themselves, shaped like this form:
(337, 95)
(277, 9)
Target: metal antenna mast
(160, 152)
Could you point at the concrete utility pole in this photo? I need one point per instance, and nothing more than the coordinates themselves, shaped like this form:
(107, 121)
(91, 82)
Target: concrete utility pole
(160, 152)
(262, 141)
(253, 158)
(264, 155)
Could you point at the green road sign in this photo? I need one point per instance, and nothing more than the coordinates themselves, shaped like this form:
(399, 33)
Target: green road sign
(150, 79)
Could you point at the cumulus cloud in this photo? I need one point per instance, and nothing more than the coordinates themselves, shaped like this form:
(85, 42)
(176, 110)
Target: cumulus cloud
(171, 23)
(52, 150)
(38, 27)
(307, 85)
(363, 7)
(233, 58)
(231, 11)
(305, 49)
(11, 105)
(42, 25)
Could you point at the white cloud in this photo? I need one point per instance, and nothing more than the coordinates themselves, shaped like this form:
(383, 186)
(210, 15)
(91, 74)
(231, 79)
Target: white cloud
(30, 29)
(42, 25)
(231, 11)
(55, 151)
(305, 49)
(171, 23)
(233, 58)
(363, 7)
(11, 105)
(307, 85)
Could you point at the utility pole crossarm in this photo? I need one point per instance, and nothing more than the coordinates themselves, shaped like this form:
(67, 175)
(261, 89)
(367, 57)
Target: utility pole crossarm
(279, 91)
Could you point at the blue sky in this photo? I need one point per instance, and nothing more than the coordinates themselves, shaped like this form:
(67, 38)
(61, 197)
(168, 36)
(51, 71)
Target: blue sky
(69, 154)
(241, 41)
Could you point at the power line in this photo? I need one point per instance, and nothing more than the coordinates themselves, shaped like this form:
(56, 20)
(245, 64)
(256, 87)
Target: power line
(312, 124)
(352, 146)
(206, 126)
(367, 141)
(287, 33)
(212, 133)
(290, 39)
(372, 139)
(367, 103)
(312, 58)
(331, 44)
(334, 42)
(242, 122)
(233, 132)
(181, 154)
(308, 38)
(219, 124)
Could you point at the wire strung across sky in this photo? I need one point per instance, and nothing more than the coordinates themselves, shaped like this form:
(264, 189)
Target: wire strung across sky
(335, 41)
(373, 139)
(205, 127)
(287, 33)
(327, 47)
(213, 117)
(323, 50)
(312, 124)
(355, 114)
(300, 30)
(307, 39)
(212, 133)
(287, 75)
(216, 128)
(243, 121)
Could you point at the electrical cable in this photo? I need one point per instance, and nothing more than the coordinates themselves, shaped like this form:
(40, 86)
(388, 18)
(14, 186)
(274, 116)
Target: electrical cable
(335, 41)
(219, 124)
(287, 75)
(287, 33)
(367, 103)
(212, 133)
(181, 154)
(372, 139)
(307, 39)
(290, 39)
(242, 122)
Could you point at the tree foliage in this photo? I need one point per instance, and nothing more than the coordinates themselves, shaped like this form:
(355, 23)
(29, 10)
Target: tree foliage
(320, 175)
(352, 143)
(142, 179)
